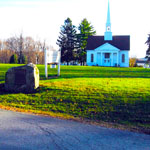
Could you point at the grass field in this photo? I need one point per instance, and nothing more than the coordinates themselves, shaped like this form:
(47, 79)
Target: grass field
(116, 95)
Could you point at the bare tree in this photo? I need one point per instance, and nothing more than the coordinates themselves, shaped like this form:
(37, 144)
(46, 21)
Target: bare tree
(5, 56)
(22, 46)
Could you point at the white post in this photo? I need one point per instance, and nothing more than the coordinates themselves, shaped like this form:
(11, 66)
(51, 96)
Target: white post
(46, 75)
(59, 61)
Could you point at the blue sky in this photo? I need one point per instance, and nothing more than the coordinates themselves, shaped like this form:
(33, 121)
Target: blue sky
(42, 19)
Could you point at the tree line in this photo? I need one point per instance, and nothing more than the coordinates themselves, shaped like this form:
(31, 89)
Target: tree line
(19, 49)
(73, 40)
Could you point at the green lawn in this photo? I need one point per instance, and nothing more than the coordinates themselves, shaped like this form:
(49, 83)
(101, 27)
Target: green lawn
(118, 95)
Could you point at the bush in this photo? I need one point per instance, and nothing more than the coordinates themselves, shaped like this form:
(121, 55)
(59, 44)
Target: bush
(22, 59)
(13, 59)
(132, 62)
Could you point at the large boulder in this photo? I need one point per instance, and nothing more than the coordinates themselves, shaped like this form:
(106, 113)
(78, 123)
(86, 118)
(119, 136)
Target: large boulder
(22, 79)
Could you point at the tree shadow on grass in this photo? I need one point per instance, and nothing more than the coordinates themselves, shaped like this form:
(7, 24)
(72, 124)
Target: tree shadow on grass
(93, 76)
(99, 73)
(40, 89)
(4, 92)
(2, 88)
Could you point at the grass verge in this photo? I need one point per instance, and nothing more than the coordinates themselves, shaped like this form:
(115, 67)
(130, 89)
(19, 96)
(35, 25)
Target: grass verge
(117, 97)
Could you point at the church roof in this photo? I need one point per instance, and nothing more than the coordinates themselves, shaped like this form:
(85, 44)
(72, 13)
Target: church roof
(121, 42)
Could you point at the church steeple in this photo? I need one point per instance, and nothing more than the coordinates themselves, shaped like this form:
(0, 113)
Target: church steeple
(108, 14)
(108, 33)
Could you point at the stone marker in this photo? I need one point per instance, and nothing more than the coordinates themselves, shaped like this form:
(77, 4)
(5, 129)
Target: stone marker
(22, 79)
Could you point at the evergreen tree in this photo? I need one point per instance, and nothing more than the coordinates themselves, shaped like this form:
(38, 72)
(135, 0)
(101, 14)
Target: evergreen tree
(86, 30)
(13, 59)
(67, 41)
(22, 59)
(148, 50)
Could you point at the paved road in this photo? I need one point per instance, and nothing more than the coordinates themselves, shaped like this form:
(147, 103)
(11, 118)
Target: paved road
(29, 132)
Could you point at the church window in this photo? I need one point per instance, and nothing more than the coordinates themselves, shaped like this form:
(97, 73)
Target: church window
(92, 57)
(107, 55)
(123, 58)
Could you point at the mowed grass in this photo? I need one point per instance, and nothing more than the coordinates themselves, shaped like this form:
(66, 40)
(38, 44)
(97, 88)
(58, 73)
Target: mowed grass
(116, 95)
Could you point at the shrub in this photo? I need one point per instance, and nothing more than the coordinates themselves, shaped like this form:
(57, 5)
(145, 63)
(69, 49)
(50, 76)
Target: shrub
(132, 61)
(14, 59)
(22, 59)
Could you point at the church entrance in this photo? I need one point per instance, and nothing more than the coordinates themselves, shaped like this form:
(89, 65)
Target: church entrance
(107, 61)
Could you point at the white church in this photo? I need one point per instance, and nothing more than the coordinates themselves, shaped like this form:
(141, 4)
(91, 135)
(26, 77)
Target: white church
(108, 50)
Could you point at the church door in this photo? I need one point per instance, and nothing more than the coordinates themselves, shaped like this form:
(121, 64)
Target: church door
(107, 61)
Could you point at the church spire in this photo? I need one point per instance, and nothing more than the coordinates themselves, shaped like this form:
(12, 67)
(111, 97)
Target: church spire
(108, 33)
(108, 14)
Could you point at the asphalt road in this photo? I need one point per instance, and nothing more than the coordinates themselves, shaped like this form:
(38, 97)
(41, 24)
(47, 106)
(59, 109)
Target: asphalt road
(29, 132)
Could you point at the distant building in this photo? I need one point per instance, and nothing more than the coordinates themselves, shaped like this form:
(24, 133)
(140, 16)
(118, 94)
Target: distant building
(141, 62)
(108, 50)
